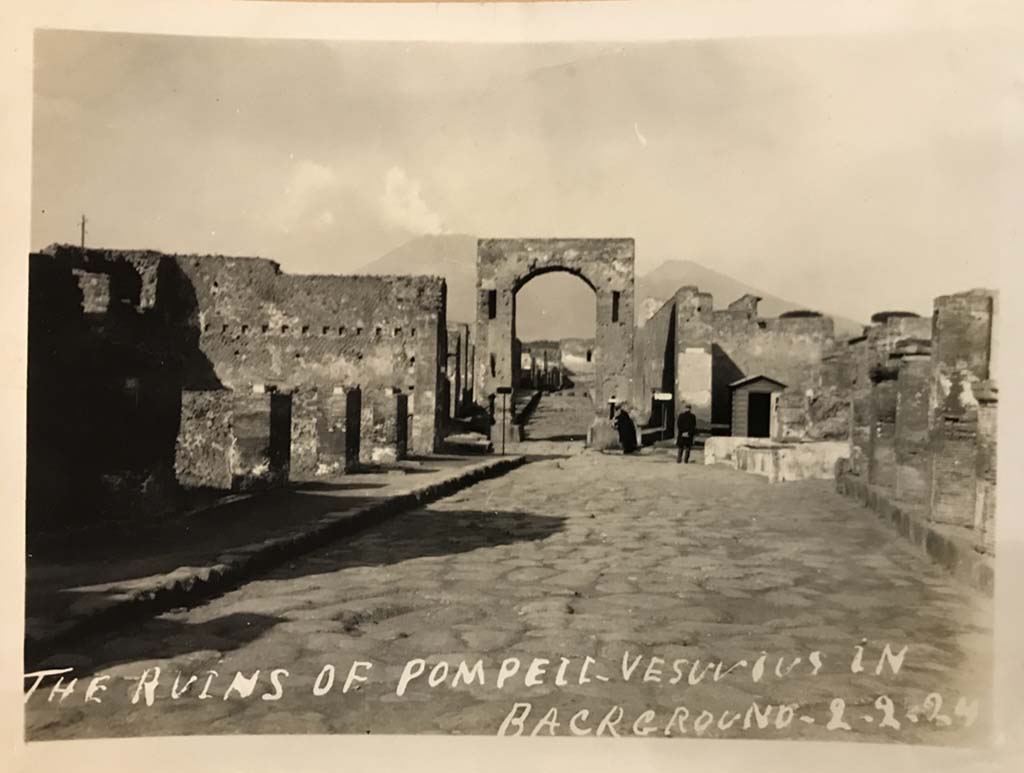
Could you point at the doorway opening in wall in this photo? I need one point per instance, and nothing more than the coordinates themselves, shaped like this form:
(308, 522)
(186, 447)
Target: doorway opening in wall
(553, 326)
(759, 414)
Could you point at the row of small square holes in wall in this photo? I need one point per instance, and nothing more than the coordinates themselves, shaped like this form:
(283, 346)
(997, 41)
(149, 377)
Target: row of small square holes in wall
(325, 330)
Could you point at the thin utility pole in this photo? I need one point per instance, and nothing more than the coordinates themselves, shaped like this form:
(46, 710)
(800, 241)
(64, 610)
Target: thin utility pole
(83, 232)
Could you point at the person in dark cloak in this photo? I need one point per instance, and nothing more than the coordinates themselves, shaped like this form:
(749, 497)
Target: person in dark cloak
(686, 429)
(627, 431)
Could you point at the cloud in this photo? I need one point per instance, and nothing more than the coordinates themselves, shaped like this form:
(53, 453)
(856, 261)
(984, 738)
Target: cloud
(308, 185)
(403, 206)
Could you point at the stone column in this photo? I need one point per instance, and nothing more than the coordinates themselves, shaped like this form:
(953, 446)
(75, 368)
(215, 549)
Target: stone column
(960, 360)
(912, 388)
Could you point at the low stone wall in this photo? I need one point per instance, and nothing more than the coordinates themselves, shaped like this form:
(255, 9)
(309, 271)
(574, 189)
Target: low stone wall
(721, 449)
(797, 461)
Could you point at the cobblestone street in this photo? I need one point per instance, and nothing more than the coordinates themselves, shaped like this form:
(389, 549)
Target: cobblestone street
(593, 556)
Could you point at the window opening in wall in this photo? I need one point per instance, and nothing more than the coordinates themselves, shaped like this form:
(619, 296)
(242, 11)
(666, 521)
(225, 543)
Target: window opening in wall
(206, 327)
(413, 332)
(590, 355)
(493, 367)
(398, 331)
(412, 360)
(224, 328)
(265, 328)
(359, 331)
(245, 329)
(492, 304)
(284, 328)
(305, 329)
(378, 332)
(615, 305)
(326, 330)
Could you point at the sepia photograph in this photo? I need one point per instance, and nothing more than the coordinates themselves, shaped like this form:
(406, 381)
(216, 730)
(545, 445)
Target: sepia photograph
(582, 388)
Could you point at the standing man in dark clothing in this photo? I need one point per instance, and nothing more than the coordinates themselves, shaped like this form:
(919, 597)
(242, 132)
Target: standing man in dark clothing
(627, 431)
(686, 428)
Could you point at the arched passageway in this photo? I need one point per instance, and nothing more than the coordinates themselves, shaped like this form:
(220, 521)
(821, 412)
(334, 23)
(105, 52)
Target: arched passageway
(504, 266)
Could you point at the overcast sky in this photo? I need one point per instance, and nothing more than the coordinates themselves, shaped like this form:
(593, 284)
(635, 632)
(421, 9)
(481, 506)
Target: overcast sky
(852, 173)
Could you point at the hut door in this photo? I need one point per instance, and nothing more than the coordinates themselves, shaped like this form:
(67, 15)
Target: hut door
(759, 413)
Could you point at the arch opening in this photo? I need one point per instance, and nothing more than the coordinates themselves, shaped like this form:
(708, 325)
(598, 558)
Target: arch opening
(554, 324)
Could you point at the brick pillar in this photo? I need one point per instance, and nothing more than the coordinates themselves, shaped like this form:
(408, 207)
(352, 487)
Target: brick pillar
(912, 461)
(960, 360)
(985, 491)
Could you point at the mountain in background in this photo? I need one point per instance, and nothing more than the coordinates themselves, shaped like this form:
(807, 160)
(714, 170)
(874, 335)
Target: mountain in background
(562, 306)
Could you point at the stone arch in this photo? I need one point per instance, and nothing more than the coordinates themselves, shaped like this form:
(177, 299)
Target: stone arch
(606, 265)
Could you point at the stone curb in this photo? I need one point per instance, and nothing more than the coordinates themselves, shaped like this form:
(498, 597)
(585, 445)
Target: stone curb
(955, 555)
(186, 586)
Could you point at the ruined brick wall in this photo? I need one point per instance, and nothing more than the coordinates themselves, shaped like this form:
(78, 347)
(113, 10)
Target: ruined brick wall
(923, 424)
(116, 335)
(871, 355)
(246, 323)
(261, 326)
(103, 395)
(688, 348)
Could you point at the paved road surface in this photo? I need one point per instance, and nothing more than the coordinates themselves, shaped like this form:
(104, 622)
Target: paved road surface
(594, 556)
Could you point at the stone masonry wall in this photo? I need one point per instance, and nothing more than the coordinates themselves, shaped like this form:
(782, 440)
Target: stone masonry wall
(233, 441)
(115, 336)
(688, 348)
(787, 349)
(923, 429)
